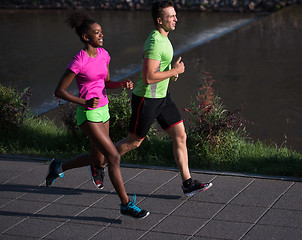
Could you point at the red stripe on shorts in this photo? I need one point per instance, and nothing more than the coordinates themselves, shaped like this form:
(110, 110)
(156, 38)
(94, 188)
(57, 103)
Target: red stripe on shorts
(136, 122)
(173, 125)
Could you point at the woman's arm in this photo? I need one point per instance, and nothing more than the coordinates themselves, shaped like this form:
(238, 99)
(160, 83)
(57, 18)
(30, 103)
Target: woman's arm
(121, 84)
(61, 91)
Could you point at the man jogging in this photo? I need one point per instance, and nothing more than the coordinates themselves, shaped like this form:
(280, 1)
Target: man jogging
(151, 100)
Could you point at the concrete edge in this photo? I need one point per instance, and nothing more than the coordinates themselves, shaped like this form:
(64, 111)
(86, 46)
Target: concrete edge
(209, 172)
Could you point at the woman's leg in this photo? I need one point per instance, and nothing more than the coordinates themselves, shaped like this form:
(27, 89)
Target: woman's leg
(97, 169)
(98, 134)
(102, 148)
(94, 158)
(97, 156)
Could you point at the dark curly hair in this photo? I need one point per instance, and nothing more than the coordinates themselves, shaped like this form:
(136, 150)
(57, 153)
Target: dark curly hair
(81, 21)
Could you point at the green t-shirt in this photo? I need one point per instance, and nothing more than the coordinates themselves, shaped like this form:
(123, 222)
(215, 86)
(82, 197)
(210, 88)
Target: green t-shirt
(156, 47)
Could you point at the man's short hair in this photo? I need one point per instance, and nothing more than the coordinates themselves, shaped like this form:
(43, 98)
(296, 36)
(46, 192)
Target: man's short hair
(157, 8)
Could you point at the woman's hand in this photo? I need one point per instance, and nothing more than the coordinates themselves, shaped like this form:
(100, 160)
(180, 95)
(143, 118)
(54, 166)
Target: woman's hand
(92, 102)
(127, 84)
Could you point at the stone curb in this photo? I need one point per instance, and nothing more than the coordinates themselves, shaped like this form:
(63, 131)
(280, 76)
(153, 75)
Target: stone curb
(209, 172)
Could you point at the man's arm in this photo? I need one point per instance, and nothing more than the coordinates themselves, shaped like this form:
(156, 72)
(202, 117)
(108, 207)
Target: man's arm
(152, 75)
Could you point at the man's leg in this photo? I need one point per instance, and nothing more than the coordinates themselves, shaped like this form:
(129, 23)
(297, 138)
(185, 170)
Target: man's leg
(127, 144)
(179, 139)
(143, 114)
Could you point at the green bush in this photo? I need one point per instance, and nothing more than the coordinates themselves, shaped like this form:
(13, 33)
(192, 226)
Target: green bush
(120, 113)
(210, 121)
(216, 138)
(14, 106)
(68, 116)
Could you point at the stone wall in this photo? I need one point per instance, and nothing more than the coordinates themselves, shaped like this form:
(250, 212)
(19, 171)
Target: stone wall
(197, 5)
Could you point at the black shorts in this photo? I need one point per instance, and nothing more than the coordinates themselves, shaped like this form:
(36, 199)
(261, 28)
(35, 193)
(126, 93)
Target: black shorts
(146, 110)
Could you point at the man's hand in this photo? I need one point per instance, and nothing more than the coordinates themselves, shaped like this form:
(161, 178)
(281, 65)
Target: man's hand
(179, 66)
(174, 78)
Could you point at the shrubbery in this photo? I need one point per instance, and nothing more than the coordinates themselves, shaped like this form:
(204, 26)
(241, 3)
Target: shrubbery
(214, 134)
(120, 112)
(216, 137)
(209, 118)
(14, 106)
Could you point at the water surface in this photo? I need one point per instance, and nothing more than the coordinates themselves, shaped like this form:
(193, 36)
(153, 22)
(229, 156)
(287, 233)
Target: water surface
(255, 60)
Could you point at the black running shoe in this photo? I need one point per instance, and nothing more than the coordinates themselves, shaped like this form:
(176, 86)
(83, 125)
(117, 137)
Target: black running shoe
(53, 172)
(97, 176)
(196, 187)
(134, 211)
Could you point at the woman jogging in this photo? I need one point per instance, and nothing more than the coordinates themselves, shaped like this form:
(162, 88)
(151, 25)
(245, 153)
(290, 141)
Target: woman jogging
(90, 68)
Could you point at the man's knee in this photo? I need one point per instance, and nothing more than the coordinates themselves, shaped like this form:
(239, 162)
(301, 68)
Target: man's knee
(133, 142)
(181, 137)
(135, 145)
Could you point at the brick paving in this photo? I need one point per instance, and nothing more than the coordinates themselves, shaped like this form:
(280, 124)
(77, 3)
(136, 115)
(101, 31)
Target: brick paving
(236, 207)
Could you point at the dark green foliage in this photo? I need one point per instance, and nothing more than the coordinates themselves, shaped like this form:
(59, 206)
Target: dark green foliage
(216, 138)
(14, 106)
(120, 112)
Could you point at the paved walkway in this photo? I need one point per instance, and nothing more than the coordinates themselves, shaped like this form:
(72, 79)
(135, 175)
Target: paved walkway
(72, 208)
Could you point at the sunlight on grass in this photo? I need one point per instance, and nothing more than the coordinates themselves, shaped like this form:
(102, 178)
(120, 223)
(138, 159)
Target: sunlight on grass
(216, 139)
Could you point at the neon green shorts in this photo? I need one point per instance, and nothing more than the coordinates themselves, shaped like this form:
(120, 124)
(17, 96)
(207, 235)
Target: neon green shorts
(100, 114)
